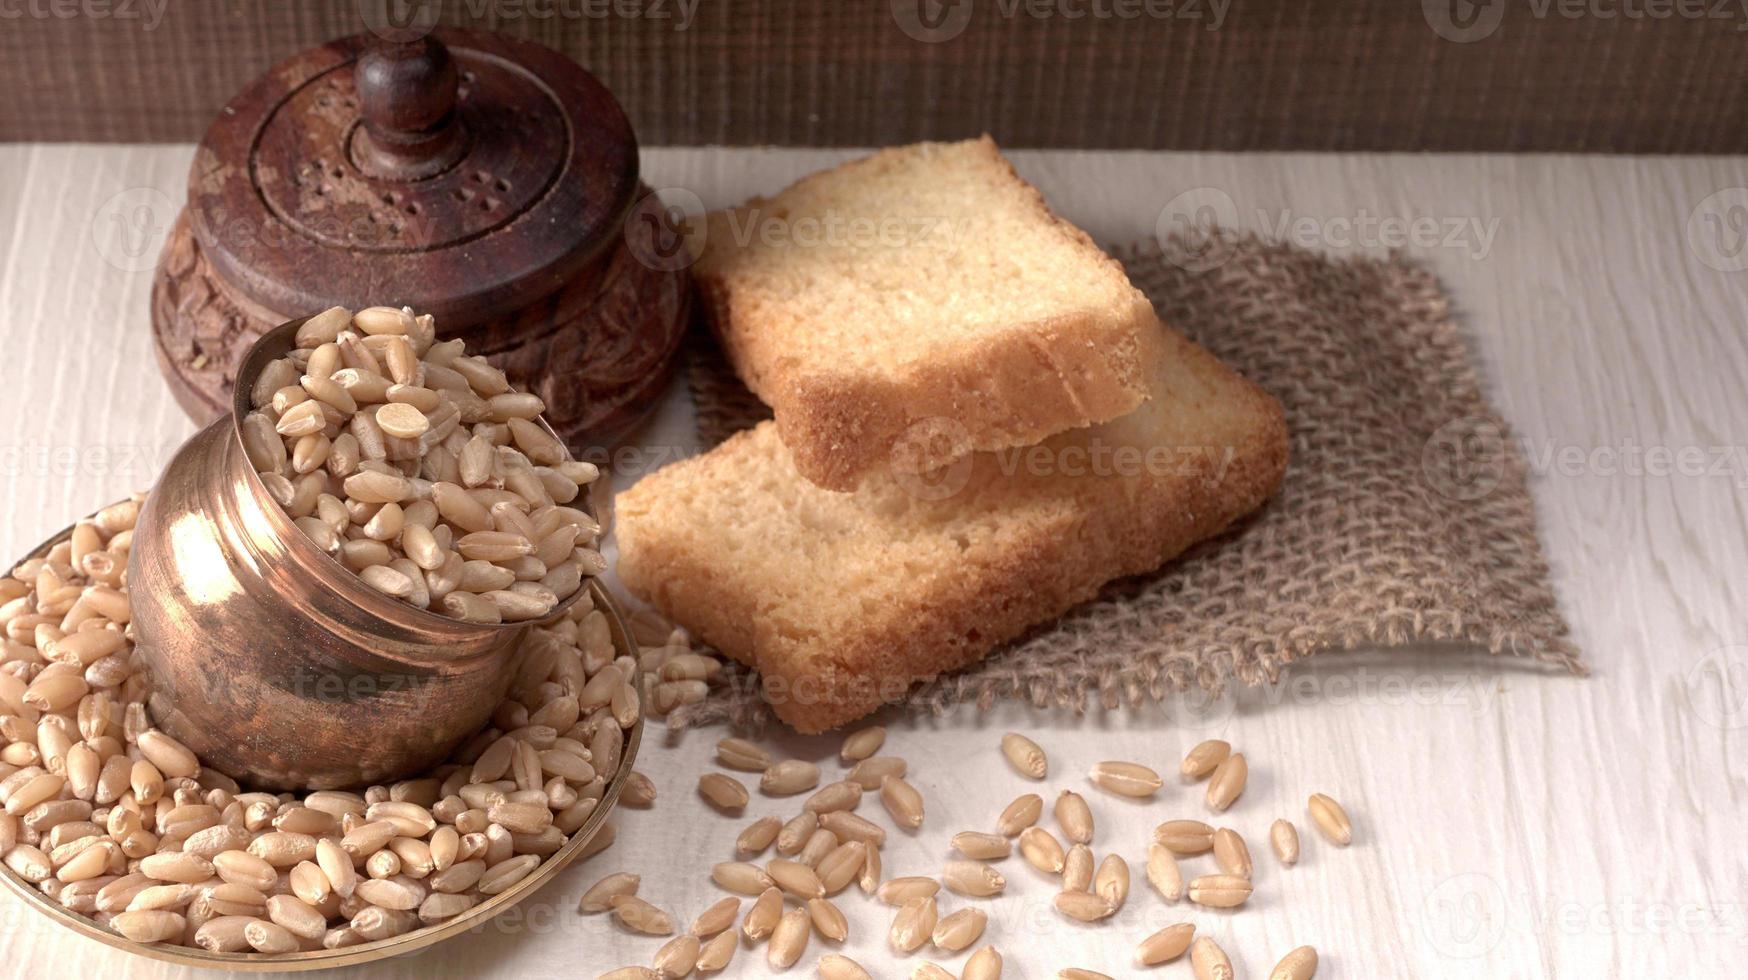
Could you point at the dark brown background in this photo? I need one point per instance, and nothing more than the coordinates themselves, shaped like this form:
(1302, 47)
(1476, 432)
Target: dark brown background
(1277, 74)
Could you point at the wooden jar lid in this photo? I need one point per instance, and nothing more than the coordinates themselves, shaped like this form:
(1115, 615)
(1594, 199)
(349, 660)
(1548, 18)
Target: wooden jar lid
(475, 177)
(463, 174)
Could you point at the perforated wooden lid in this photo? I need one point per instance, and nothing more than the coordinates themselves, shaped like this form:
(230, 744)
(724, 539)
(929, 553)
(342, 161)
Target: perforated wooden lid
(465, 174)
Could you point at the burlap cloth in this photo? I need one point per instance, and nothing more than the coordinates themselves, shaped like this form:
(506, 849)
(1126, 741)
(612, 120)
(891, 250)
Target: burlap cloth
(1405, 517)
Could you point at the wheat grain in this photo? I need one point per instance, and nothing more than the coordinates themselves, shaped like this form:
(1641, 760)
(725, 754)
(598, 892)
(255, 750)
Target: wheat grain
(795, 878)
(599, 896)
(1163, 873)
(636, 914)
(1075, 817)
(1300, 964)
(1126, 779)
(828, 920)
(677, 957)
(1165, 945)
(1112, 880)
(869, 772)
(1204, 758)
(1209, 961)
(1077, 869)
(1185, 836)
(718, 953)
(716, 918)
(897, 891)
(764, 914)
(902, 801)
(1025, 755)
(838, 796)
(958, 931)
(741, 877)
(1227, 782)
(1223, 891)
(738, 753)
(1331, 820)
(724, 793)
(1083, 906)
(985, 964)
(838, 967)
(973, 878)
(1284, 838)
(789, 939)
(757, 836)
(1023, 812)
(913, 925)
(1231, 853)
(1042, 850)
(982, 847)
(789, 777)
(862, 744)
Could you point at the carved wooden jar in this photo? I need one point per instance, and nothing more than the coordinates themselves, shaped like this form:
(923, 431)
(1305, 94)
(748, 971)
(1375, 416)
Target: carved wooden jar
(489, 181)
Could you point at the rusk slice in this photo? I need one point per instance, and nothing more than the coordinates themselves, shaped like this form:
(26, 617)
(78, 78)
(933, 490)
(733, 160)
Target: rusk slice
(843, 600)
(924, 282)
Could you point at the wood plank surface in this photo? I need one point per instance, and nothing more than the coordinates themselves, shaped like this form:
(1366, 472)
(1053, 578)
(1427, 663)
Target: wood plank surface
(1640, 76)
(1508, 823)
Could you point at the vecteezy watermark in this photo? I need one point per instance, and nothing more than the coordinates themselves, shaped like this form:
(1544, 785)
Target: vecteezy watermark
(1466, 458)
(1717, 230)
(1469, 234)
(1716, 688)
(1468, 915)
(148, 13)
(401, 21)
(917, 454)
(337, 688)
(1465, 21)
(935, 21)
(665, 230)
(776, 229)
(1465, 915)
(140, 463)
(129, 228)
(1191, 230)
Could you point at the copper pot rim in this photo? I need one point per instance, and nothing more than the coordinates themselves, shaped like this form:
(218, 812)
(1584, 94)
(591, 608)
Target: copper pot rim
(418, 939)
(266, 348)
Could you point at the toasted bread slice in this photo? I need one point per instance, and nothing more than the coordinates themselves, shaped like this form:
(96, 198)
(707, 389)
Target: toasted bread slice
(843, 601)
(923, 282)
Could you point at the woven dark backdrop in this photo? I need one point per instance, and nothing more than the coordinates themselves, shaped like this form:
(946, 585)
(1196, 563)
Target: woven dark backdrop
(1572, 75)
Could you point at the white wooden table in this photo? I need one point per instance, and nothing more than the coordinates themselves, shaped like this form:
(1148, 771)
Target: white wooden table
(1509, 823)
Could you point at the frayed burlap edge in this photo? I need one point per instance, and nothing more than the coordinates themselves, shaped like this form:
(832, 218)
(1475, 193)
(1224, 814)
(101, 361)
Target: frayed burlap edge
(1405, 518)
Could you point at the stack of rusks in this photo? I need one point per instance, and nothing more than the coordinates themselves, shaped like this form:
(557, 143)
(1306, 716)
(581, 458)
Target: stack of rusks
(978, 422)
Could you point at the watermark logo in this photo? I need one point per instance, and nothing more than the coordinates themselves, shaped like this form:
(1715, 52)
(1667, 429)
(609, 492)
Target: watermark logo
(149, 13)
(1463, 21)
(666, 229)
(1717, 230)
(1188, 229)
(936, 21)
(400, 21)
(1465, 915)
(1716, 688)
(932, 439)
(1465, 458)
(129, 229)
(932, 21)
(1466, 21)
(1197, 708)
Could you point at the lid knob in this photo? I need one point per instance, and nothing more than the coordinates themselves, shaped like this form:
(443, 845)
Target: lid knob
(407, 94)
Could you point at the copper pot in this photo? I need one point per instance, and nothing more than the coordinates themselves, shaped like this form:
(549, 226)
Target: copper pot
(276, 664)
